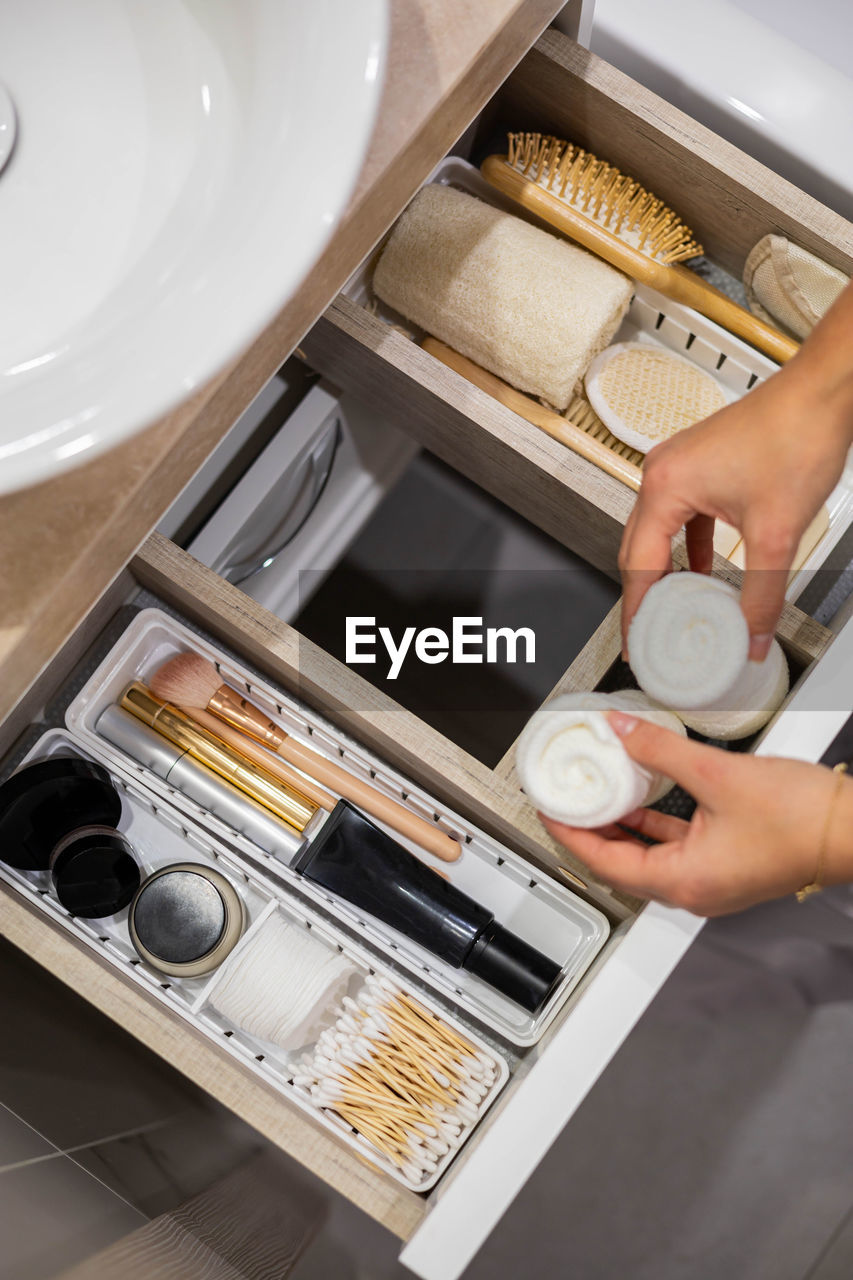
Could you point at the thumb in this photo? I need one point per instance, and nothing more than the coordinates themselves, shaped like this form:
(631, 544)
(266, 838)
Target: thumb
(698, 768)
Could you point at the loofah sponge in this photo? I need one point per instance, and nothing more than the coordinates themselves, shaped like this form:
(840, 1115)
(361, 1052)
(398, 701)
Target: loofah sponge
(520, 302)
(644, 394)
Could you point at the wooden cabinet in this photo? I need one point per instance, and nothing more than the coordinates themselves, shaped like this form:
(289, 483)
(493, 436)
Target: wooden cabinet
(730, 201)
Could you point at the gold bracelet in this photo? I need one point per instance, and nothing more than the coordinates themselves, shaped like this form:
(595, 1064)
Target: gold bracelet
(816, 886)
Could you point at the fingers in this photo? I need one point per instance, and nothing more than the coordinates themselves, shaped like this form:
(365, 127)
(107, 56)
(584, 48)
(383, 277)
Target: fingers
(701, 770)
(647, 871)
(657, 826)
(644, 557)
(770, 553)
(646, 551)
(699, 533)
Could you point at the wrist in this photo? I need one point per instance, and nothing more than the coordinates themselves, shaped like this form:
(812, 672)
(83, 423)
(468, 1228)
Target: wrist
(838, 844)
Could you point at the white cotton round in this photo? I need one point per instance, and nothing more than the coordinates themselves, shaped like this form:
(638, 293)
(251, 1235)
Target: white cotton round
(688, 644)
(281, 987)
(573, 766)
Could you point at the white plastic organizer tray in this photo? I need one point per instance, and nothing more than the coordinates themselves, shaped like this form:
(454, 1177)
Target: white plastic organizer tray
(540, 911)
(161, 835)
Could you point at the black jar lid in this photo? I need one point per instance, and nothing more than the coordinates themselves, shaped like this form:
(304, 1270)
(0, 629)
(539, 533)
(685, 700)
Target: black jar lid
(185, 919)
(94, 872)
(45, 800)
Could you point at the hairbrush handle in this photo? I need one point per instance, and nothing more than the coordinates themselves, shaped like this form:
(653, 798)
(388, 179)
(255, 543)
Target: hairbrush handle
(675, 282)
(546, 419)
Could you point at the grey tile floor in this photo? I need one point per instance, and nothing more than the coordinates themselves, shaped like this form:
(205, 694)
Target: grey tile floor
(96, 1134)
(53, 1213)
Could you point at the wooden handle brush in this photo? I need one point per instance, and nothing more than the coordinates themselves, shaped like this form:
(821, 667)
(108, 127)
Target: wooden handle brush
(613, 216)
(547, 420)
(192, 683)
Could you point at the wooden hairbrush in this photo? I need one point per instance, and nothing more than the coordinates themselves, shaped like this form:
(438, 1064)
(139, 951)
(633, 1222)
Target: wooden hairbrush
(610, 214)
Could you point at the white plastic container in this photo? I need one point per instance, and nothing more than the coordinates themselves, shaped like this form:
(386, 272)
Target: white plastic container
(543, 913)
(161, 835)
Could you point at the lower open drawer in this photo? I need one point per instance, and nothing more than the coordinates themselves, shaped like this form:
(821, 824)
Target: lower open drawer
(548, 1081)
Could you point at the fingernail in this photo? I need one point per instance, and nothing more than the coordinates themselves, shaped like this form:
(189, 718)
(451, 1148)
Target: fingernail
(622, 724)
(759, 647)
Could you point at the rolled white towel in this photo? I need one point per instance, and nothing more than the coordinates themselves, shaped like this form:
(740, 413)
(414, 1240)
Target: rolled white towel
(688, 644)
(575, 769)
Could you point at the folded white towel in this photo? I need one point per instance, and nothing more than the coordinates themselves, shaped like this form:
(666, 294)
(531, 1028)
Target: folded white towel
(575, 769)
(688, 644)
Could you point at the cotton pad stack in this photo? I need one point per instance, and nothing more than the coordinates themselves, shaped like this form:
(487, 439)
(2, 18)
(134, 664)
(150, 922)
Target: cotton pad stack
(644, 394)
(281, 983)
(523, 304)
(688, 645)
(573, 766)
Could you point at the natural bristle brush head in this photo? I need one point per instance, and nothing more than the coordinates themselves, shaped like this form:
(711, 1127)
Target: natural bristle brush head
(604, 194)
(187, 680)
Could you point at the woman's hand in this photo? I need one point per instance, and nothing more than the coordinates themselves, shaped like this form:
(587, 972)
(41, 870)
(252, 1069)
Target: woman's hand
(764, 464)
(756, 833)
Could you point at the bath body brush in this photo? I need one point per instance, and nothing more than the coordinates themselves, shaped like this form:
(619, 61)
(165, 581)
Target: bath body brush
(610, 213)
(644, 394)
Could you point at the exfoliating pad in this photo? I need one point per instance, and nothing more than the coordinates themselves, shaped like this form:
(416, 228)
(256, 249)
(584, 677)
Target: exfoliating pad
(519, 301)
(573, 766)
(688, 645)
(786, 283)
(644, 394)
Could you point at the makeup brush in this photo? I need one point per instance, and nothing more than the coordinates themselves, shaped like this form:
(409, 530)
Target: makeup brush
(192, 683)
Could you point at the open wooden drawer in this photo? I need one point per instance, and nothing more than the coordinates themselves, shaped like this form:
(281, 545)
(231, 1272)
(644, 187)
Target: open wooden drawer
(445, 1227)
(731, 202)
(728, 200)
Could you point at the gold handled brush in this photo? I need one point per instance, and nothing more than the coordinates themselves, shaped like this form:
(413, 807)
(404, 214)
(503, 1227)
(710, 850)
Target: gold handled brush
(610, 214)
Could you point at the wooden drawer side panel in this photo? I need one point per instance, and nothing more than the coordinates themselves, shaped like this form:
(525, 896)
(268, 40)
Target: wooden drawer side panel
(566, 496)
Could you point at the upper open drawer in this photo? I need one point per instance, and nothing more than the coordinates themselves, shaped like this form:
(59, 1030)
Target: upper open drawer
(729, 201)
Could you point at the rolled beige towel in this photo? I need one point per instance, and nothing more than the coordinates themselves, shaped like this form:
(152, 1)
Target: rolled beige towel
(574, 768)
(524, 304)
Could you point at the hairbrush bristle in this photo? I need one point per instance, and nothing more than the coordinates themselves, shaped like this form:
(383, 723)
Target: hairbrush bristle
(188, 680)
(604, 194)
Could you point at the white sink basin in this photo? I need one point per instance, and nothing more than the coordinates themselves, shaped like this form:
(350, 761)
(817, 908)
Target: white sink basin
(179, 165)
